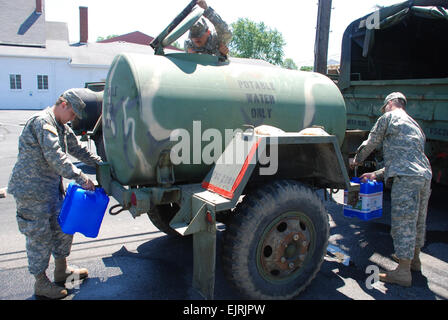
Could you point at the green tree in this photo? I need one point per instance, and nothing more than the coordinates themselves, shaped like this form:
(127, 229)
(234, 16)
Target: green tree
(108, 37)
(177, 45)
(257, 41)
(306, 68)
(289, 64)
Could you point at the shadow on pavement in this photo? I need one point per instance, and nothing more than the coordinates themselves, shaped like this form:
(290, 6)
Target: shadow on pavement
(162, 268)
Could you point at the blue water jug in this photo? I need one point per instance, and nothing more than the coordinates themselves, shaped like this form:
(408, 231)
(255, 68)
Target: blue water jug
(370, 203)
(83, 210)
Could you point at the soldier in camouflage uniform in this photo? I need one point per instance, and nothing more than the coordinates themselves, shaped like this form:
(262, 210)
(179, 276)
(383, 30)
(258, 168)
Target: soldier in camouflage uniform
(202, 40)
(407, 167)
(36, 184)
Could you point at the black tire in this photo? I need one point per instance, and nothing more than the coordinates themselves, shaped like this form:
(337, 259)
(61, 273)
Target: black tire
(161, 216)
(277, 241)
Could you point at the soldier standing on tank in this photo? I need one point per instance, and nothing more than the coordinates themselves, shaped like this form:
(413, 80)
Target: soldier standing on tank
(202, 40)
(408, 168)
(36, 184)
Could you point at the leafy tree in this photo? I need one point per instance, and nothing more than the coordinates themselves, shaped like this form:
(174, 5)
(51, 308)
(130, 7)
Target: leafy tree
(306, 68)
(289, 64)
(257, 41)
(108, 37)
(177, 45)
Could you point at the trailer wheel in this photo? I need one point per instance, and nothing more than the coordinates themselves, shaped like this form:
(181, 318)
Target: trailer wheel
(161, 216)
(276, 244)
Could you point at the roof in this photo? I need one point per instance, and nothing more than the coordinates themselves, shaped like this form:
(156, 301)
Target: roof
(134, 37)
(20, 24)
(26, 34)
(56, 31)
(91, 54)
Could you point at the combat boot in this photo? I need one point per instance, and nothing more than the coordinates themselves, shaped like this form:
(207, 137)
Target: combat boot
(416, 264)
(62, 271)
(43, 287)
(401, 275)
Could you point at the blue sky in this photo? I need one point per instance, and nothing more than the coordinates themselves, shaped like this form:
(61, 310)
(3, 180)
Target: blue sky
(295, 19)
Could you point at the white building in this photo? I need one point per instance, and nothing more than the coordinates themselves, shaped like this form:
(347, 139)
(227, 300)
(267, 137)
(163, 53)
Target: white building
(37, 62)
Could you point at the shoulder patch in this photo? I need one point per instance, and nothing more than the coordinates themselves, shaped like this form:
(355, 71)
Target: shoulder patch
(50, 128)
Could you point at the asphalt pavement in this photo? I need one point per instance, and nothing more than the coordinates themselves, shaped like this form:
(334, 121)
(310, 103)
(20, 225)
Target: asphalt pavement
(132, 260)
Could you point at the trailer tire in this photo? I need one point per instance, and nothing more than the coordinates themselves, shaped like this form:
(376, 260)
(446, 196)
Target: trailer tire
(161, 216)
(276, 243)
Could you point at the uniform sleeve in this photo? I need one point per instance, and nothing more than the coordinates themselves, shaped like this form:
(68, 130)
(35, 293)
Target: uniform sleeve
(48, 138)
(188, 45)
(375, 138)
(380, 174)
(79, 152)
(222, 29)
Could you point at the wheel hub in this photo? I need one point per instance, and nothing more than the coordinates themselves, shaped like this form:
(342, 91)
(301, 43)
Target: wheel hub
(284, 247)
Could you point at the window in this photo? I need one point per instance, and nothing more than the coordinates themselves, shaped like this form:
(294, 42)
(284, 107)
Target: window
(15, 81)
(42, 82)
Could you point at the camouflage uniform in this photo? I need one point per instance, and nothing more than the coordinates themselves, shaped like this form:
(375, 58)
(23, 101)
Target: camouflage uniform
(36, 184)
(406, 164)
(223, 35)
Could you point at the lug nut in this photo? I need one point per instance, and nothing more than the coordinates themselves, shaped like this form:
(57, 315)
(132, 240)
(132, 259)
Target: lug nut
(296, 237)
(283, 260)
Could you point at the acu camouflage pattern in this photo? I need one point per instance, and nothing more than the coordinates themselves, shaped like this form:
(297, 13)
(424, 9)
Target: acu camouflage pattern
(43, 160)
(223, 35)
(37, 220)
(405, 161)
(36, 182)
(410, 196)
(403, 145)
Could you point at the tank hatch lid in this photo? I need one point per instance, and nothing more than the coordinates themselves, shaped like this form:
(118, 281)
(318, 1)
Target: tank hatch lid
(181, 24)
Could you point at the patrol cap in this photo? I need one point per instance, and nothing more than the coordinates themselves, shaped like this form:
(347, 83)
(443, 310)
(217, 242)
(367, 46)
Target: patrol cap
(77, 104)
(392, 96)
(198, 29)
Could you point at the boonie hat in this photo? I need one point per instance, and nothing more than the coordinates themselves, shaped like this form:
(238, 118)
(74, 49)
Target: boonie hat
(392, 96)
(198, 29)
(77, 104)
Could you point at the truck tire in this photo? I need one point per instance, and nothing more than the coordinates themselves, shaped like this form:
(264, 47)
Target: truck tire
(161, 216)
(277, 241)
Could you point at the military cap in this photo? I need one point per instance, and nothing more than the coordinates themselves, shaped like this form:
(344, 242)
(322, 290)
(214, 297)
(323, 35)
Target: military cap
(77, 104)
(198, 29)
(392, 96)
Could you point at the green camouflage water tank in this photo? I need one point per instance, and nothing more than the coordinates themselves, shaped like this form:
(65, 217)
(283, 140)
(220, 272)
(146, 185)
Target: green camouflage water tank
(147, 97)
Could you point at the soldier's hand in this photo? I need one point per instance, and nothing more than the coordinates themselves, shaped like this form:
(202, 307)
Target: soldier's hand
(352, 163)
(202, 4)
(368, 176)
(89, 185)
(223, 49)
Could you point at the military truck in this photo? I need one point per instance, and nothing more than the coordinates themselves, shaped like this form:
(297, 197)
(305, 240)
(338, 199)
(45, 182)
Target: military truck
(398, 48)
(191, 139)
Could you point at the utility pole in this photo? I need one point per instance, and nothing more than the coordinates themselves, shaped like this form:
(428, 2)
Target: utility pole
(322, 35)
